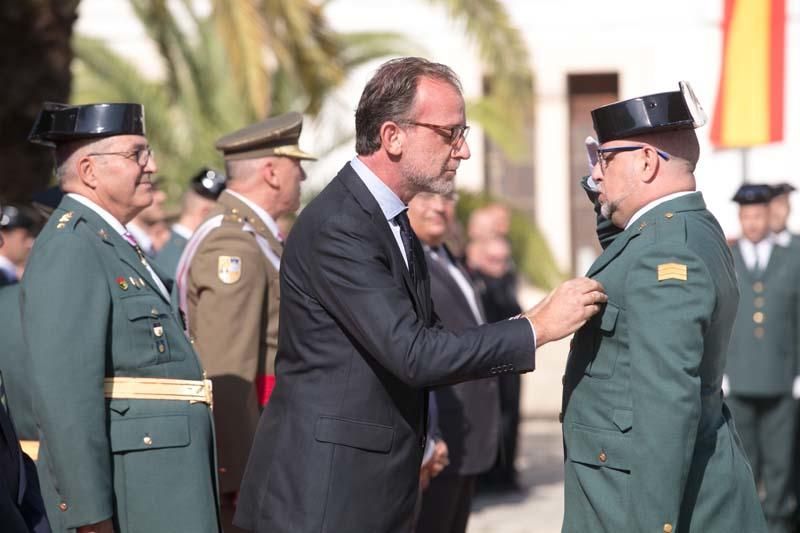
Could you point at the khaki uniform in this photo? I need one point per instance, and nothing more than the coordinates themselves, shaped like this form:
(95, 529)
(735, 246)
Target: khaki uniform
(232, 297)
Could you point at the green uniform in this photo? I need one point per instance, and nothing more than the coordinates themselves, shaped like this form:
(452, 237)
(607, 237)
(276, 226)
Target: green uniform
(168, 256)
(649, 444)
(12, 363)
(91, 310)
(762, 365)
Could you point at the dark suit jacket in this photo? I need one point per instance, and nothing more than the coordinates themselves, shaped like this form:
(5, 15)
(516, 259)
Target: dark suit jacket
(339, 446)
(469, 412)
(21, 506)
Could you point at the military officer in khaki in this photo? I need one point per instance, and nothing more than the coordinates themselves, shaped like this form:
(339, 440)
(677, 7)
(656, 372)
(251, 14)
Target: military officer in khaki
(123, 410)
(762, 368)
(650, 446)
(228, 281)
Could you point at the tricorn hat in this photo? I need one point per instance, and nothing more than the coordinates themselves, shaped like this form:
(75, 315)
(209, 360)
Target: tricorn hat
(782, 188)
(208, 183)
(749, 194)
(62, 122)
(674, 110)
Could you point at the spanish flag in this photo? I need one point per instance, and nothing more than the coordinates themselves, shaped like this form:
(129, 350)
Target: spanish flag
(749, 108)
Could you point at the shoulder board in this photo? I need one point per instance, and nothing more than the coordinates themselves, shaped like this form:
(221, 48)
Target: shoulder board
(670, 227)
(66, 221)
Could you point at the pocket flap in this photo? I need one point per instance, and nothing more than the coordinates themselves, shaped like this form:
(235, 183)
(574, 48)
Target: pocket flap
(623, 419)
(599, 447)
(149, 433)
(354, 433)
(609, 318)
(137, 308)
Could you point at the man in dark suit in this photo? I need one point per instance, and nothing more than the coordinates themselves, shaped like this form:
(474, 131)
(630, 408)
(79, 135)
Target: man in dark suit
(468, 412)
(339, 446)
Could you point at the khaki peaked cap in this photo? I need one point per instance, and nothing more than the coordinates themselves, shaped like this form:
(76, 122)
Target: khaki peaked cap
(275, 136)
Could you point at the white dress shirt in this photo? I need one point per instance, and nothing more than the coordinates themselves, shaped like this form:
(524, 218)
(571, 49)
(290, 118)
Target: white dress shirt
(756, 253)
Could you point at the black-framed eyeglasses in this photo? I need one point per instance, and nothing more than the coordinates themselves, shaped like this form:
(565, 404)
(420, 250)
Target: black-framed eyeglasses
(140, 155)
(455, 134)
(603, 160)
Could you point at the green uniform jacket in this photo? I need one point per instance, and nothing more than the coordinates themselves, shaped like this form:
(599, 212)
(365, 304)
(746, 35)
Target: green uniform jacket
(168, 256)
(87, 316)
(12, 364)
(650, 446)
(765, 346)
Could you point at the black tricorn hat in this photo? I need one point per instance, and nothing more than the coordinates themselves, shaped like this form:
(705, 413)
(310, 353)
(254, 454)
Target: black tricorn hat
(674, 110)
(13, 217)
(208, 183)
(62, 122)
(749, 194)
(782, 188)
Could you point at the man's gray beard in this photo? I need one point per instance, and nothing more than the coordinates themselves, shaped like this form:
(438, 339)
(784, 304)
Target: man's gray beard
(607, 209)
(438, 185)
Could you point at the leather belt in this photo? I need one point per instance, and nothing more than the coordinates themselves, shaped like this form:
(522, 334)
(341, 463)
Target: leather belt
(31, 447)
(193, 391)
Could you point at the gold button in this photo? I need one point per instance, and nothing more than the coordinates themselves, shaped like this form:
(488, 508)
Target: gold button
(759, 302)
(154, 311)
(234, 210)
(668, 215)
(148, 440)
(758, 287)
(161, 347)
(759, 332)
(603, 457)
(667, 528)
(758, 317)
(63, 506)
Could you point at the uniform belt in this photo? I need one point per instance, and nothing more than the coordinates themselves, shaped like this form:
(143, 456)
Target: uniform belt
(198, 391)
(31, 447)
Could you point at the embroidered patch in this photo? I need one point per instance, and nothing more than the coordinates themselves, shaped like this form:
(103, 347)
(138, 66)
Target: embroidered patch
(672, 271)
(229, 268)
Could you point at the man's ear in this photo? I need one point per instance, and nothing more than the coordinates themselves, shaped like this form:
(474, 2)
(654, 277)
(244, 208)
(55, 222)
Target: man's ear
(392, 138)
(85, 168)
(269, 175)
(648, 163)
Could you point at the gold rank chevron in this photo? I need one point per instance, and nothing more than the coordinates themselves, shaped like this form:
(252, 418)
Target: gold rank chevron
(672, 271)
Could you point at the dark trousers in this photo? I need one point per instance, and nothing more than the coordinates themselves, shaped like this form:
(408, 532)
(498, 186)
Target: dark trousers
(446, 504)
(766, 426)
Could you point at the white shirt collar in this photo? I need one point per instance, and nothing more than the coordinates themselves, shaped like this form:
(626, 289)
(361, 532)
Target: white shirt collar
(263, 215)
(756, 252)
(105, 215)
(389, 202)
(783, 238)
(8, 267)
(141, 236)
(655, 203)
(182, 230)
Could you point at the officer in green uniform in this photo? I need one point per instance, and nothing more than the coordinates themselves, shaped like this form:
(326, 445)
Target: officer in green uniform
(779, 209)
(197, 202)
(649, 444)
(763, 356)
(118, 392)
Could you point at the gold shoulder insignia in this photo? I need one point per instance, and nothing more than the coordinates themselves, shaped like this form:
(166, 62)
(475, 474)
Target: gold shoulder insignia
(103, 234)
(64, 219)
(229, 268)
(672, 271)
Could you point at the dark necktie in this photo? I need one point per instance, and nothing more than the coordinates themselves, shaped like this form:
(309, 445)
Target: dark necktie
(408, 237)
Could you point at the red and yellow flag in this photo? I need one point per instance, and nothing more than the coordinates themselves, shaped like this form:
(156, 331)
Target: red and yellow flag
(749, 108)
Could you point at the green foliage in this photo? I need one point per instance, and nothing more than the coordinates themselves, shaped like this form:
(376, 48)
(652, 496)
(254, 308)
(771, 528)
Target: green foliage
(528, 246)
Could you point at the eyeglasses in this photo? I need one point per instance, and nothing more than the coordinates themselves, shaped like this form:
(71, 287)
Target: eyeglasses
(140, 155)
(603, 160)
(456, 135)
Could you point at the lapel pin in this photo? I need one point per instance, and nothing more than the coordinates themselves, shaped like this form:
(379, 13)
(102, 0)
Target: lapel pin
(122, 283)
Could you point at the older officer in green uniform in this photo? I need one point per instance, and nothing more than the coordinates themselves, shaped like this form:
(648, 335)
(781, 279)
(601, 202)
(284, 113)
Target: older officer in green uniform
(118, 392)
(649, 444)
(763, 357)
(197, 202)
(229, 286)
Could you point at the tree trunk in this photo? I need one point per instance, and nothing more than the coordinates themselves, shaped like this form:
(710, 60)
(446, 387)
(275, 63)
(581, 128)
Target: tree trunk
(35, 62)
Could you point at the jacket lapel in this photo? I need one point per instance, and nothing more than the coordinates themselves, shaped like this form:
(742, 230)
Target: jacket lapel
(233, 203)
(367, 202)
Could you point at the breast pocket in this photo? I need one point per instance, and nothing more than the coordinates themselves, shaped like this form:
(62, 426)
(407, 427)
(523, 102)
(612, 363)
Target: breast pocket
(149, 330)
(606, 348)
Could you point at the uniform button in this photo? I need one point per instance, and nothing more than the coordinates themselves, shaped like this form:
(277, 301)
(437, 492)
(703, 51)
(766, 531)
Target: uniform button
(758, 317)
(758, 287)
(148, 440)
(759, 332)
(667, 528)
(759, 302)
(603, 457)
(668, 215)
(63, 506)
(154, 311)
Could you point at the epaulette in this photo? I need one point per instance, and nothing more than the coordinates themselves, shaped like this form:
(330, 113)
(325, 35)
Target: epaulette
(67, 221)
(670, 227)
(232, 216)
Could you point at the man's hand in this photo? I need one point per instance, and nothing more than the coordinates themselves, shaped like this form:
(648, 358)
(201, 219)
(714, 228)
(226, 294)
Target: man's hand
(434, 466)
(106, 526)
(566, 309)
